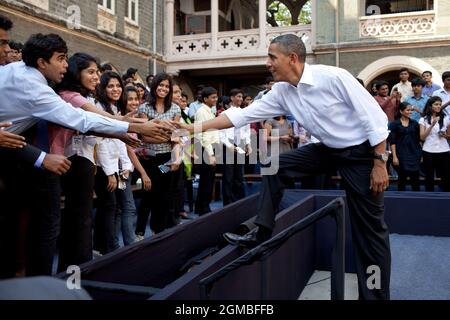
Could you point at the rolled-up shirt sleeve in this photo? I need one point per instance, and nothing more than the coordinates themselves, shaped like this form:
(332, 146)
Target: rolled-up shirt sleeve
(372, 117)
(47, 105)
(267, 107)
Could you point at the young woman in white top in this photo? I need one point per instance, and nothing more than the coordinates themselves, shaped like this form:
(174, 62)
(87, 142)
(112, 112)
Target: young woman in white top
(435, 132)
(113, 171)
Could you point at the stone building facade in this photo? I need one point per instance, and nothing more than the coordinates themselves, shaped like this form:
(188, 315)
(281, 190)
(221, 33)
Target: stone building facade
(374, 39)
(120, 32)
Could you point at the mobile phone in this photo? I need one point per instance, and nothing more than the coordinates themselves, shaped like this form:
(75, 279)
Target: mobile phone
(163, 168)
(240, 150)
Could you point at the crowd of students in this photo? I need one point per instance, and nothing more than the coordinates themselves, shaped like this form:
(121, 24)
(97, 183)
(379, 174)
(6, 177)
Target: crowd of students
(80, 162)
(419, 128)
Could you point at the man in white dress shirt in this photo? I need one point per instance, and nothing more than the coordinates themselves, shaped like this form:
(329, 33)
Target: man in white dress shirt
(404, 86)
(331, 104)
(236, 143)
(444, 93)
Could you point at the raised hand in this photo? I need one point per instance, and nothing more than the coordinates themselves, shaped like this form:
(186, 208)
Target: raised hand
(131, 141)
(156, 131)
(10, 140)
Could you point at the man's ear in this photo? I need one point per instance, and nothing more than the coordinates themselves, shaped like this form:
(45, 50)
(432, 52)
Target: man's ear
(41, 63)
(293, 58)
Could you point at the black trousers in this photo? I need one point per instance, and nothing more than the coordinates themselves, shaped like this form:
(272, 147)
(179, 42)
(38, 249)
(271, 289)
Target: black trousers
(13, 194)
(105, 216)
(403, 175)
(370, 233)
(23, 187)
(178, 181)
(44, 223)
(75, 246)
(233, 176)
(205, 188)
(160, 199)
(439, 162)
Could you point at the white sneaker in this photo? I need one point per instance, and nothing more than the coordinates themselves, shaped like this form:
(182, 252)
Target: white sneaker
(139, 237)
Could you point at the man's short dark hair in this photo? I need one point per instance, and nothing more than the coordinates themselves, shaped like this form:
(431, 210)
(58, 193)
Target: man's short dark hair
(380, 84)
(199, 88)
(427, 71)
(42, 46)
(16, 46)
(106, 67)
(445, 75)
(148, 77)
(207, 91)
(185, 95)
(418, 82)
(289, 43)
(403, 70)
(5, 23)
(131, 71)
(235, 92)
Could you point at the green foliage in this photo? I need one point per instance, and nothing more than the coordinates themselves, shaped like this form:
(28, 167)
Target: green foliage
(305, 14)
(279, 14)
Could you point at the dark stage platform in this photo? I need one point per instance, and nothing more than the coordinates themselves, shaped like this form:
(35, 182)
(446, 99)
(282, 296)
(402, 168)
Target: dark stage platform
(172, 264)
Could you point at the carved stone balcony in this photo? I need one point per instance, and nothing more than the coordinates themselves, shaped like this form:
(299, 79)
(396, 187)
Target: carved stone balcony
(233, 48)
(398, 25)
(231, 43)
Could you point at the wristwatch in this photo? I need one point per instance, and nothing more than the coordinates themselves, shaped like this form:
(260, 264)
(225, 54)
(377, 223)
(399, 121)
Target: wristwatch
(383, 156)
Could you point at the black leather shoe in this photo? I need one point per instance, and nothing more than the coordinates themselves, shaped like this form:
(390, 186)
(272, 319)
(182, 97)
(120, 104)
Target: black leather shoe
(249, 240)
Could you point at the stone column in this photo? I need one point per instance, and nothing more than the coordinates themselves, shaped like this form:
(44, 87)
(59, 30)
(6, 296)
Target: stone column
(262, 25)
(214, 24)
(168, 39)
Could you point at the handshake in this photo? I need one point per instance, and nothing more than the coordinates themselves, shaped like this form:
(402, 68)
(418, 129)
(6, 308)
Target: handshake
(156, 131)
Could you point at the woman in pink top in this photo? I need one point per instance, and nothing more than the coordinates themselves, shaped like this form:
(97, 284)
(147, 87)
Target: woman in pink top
(76, 88)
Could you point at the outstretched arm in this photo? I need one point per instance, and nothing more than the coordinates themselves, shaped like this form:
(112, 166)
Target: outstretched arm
(10, 140)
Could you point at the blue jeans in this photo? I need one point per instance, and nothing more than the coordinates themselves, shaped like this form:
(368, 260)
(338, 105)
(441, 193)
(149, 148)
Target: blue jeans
(125, 214)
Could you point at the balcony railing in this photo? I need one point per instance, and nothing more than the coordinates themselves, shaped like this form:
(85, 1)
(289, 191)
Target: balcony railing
(397, 25)
(232, 43)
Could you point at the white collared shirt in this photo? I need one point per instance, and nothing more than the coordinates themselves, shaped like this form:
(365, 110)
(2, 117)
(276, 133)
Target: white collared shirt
(210, 137)
(445, 96)
(328, 102)
(434, 143)
(405, 89)
(27, 98)
(112, 154)
(240, 135)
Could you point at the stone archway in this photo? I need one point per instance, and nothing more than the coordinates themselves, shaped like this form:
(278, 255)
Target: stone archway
(384, 65)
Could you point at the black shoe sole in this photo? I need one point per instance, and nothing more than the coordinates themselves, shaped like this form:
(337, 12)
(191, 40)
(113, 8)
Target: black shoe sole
(239, 243)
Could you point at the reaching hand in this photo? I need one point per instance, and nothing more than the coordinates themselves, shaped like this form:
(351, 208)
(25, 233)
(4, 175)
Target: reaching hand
(10, 140)
(131, 117)
(185, 127)
(157, 130)
(131, 141)
(56, 163)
